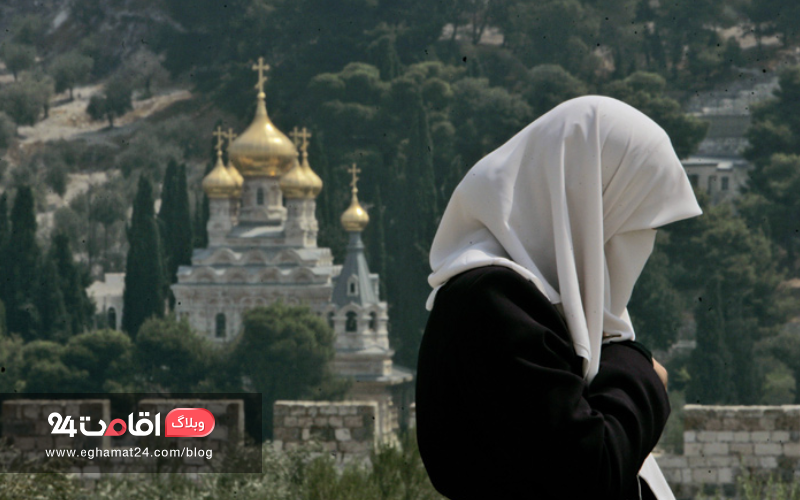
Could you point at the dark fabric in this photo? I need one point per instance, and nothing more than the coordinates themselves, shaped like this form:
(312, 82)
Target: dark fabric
(503, 411)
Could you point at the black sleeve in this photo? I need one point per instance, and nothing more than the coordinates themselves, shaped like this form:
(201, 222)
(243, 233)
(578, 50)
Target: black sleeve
(535, 428)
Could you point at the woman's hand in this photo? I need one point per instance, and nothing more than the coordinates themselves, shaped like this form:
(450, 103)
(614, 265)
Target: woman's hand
(661, 372)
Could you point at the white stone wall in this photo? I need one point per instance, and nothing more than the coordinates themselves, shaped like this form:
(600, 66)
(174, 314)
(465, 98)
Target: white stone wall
(722, 442)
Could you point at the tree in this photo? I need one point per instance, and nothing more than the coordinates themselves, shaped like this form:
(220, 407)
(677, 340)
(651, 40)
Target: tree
(108, 209)
(21, 102)
(738, 305)
(144, 270)
(22, 255)
(28, 29)
(645, 92)
(54, 323)
(70, 69)
(175, 222)
(284, 351)
(43, 369)
(8, 129)
(101, 359)
(549, 86)
(114, 102)
(656, 306)
(171, 357)
(72, 283)
(18, 57)
(143, 70)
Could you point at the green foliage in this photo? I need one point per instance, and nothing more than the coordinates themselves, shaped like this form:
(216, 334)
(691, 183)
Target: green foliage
(71, 281)
(550, 85)
(656, 305)
(284, 352)
(101, 360)
(175, 222)
(17, 57)
(8, 130)
(28, 29)
(11, 363)
(144, 271)
(70, 69)
(21, 272)
(22, 102)
(738, 305)
(645, 92)
(113, 102)
(171, 357)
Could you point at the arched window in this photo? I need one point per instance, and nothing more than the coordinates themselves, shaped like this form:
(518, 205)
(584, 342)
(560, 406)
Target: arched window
(352, 286)
(112, 318)
(351, 325)
(220, 330)
(330, 319)
(260, 196)
(373, 321)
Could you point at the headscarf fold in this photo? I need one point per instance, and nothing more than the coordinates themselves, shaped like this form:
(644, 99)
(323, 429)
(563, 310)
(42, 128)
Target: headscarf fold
(571, 203)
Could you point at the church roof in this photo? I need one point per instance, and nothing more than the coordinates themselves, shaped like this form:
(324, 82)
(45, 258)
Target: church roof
(354, 284)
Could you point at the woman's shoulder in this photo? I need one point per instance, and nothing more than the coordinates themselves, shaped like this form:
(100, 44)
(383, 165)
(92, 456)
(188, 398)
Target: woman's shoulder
(497, 291)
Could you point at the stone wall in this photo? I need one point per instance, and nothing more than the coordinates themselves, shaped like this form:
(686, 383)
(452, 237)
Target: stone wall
(26, 429)
(345, 429)
(722, 442)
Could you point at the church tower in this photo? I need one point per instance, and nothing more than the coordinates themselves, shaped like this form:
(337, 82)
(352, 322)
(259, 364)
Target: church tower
(263, 248)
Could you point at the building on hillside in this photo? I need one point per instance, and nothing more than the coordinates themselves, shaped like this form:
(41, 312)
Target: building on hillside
(107, 297)
(262, 248)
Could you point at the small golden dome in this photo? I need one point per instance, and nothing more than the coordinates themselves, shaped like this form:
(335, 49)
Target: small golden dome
(230, 136)
(262, 149)
(295, 183)
(355, 218)
(219, 184)
(236, 175)
(314, 181)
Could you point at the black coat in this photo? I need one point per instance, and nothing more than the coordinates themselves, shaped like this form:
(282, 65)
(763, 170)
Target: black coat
(503, 411)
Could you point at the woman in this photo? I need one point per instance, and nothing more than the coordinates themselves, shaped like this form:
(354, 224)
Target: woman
(530, 383)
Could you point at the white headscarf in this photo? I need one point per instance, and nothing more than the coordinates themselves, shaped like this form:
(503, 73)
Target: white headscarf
(571, 203)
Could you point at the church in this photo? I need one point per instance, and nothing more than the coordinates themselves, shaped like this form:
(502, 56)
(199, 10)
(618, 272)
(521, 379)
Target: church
(262, 248)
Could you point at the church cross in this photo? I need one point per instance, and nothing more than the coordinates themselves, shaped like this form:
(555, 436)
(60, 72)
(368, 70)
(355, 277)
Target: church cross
(300, 138)
(354, 171)
(230, 135)
(219, 134)
(262, 79)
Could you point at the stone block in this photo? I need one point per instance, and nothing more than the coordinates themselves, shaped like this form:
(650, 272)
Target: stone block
(707, 436)
(779, 436)
(791, 449)
(741, 437)
(704, 475)
(343, 434)
(725, 475)
(716, 449)
(321, 421)
(692, 449)
(289, 421)
(763, 449)
(327, 409)
(31, 411)
(725, 436)
(759, 436)
(689, 436)
(335, 421)
(305, 421)
(353, 421)
(742, 448)
(768, 462)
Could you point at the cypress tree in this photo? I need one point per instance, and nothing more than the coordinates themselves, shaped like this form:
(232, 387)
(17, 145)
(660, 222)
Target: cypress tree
(72, 283)
(201, 215)
(54, 324)
(144, 271)
(4, 262)
(22, 256)
(176, 223)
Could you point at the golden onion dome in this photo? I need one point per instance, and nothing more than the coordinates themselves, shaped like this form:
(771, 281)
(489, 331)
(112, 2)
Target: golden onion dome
(314, 181)
(355, 218)
(219, 184)
(294, 183)
(262, 150)
(236, 175)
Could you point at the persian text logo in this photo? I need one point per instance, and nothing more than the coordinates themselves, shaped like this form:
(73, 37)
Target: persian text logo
(180, 422)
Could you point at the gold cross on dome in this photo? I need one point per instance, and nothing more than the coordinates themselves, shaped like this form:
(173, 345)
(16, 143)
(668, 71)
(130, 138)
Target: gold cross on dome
(262, 78)
(354, 171)
(300, 138)
(219, 134)
(230, 135)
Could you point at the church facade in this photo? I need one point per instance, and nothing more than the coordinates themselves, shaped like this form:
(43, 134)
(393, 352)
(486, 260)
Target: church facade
(262, 233)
